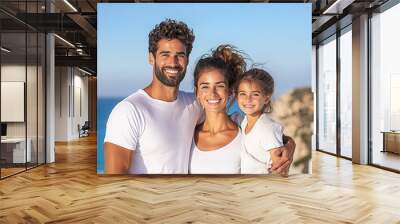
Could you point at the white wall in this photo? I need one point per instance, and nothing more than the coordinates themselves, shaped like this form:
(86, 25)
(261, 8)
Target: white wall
(80, 108)
(16, 73)
(71, 87)
(61, 103)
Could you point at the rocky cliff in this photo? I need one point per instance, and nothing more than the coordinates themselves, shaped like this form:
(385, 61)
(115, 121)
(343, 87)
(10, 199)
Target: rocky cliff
(294, 110)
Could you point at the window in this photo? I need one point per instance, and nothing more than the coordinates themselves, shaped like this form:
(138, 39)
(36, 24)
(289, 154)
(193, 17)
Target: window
(327, 95)
(22, 68)
(346, 92)
(385, 88)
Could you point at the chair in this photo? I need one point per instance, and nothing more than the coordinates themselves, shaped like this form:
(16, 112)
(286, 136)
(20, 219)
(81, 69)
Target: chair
(84, 130)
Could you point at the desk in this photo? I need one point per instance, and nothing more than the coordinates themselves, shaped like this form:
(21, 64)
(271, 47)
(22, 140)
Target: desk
(15, 148)
(391, 141)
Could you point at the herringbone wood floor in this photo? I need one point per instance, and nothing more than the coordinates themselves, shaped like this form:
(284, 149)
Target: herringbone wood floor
(70, 191)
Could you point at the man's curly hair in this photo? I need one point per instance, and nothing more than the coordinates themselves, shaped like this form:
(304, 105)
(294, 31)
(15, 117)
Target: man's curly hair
(171, 29)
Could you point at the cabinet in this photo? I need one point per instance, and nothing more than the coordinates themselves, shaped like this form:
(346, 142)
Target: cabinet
(13, 150)
(391, 141)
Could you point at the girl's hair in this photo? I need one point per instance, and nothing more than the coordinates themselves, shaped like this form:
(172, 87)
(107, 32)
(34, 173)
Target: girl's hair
(263, 79)
(226, 59)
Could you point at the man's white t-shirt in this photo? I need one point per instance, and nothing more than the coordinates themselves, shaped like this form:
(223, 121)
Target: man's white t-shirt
(225, 160)
(160, 133)
(265, 135)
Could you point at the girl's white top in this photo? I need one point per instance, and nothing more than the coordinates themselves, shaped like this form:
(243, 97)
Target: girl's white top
(265, 135)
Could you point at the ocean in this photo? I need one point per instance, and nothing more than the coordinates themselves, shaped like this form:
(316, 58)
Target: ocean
(104, 108)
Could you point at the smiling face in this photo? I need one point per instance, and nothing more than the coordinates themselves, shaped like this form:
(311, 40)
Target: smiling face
(251, 98)
(212, 90)
(169, 62)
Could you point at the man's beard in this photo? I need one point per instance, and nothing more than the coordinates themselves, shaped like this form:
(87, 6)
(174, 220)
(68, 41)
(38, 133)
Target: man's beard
(164, 79)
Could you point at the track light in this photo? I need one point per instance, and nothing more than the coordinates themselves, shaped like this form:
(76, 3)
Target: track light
(5, 50)
(71, 6)
(64, 40)
(338, 6)
(84, 71)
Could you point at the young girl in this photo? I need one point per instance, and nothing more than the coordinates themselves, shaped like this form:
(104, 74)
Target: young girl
(261, 135)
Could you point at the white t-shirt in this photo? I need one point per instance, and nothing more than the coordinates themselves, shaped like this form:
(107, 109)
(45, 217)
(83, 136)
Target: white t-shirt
(225, 160)
(159, 132)
(265, 135)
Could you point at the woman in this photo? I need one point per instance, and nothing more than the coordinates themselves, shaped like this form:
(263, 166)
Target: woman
(217, 141)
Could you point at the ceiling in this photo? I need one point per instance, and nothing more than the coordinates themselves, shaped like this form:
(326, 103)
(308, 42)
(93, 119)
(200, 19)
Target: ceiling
(75, 21)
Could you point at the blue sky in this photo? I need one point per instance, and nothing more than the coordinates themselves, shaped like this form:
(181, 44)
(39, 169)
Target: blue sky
(278, 36)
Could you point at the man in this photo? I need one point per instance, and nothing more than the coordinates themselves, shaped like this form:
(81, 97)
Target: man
(151, 131)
